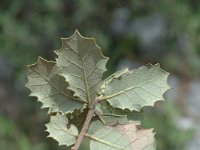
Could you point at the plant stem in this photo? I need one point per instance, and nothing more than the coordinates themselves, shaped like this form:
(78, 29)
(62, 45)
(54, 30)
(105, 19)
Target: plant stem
(86, 124)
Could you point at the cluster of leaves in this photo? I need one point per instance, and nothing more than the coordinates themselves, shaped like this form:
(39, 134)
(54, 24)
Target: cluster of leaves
(89, 112)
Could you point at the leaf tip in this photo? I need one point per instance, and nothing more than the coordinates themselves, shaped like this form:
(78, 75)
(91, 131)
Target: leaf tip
(77, 32)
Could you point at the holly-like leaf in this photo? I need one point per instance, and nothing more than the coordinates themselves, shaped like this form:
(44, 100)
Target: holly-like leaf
(58, 129)
(69, 86)
(50, 88)
(110, 116)
(83, 65)
(109, 79)
(137, 88)
(120, 137)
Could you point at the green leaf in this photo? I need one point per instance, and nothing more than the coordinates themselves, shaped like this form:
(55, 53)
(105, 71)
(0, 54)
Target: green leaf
(109, 79)
(83, 65)
(58, 129)
(68, 87)
(120, 137)
(51, 88)
(110, 116)
(113, 119)
(137, 88)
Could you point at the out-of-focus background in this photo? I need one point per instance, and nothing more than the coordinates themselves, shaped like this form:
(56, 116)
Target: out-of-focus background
(131, 32)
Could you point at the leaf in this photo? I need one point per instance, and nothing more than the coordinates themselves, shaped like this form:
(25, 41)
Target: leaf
(110, 116)
(109, 79)
(83, 65)
(50, 88)
(58, 130)
(85, 145)
(114, 119)
(137, 88)
(114, 116)
(120, 137)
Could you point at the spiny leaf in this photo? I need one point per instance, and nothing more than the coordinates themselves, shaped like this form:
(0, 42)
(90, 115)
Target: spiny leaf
(68, 86)
(51, 88)
(110, 116)
(83, 65)
(114, 116)
(109, 79)
(57, 128)
(137, 88)
(120, 137)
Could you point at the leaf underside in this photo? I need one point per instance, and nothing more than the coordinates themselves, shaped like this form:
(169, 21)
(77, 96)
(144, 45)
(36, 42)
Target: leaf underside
(83, 65)
(68, 86)
(120, 137)
(109, 79)
(110, 116)
(137, 88)
(51, 88)
(57, 128)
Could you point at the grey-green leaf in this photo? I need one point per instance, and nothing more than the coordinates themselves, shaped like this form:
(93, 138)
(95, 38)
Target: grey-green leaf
(120, 137)
(58, 129)
(51, 88)
(109, 79)
(83, 65)
(110, 116)
(137, 88)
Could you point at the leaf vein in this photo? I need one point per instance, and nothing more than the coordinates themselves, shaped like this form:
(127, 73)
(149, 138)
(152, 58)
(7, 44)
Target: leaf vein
(46, 79)
(128, 89)
(72, 62)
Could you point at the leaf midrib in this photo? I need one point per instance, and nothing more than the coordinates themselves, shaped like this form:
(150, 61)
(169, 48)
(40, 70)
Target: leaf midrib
(103, 141)
(85, 81)
(84, 72)
(128, 89)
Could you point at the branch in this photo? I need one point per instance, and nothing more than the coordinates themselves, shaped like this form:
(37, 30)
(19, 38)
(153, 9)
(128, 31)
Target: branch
(86, 124)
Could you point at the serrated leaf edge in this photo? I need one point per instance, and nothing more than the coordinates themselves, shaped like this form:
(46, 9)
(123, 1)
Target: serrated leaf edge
(49, 136)
(32, 95)
(133, 87)
(100, 52)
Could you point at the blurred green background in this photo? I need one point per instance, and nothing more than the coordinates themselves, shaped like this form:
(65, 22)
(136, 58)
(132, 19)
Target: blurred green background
(131, 32)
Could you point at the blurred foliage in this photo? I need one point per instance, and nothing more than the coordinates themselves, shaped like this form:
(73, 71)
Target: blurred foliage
(31, 28)
(168, 134)
(12, 138)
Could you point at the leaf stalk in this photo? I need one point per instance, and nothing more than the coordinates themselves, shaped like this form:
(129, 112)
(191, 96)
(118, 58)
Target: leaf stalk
(86, 124)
